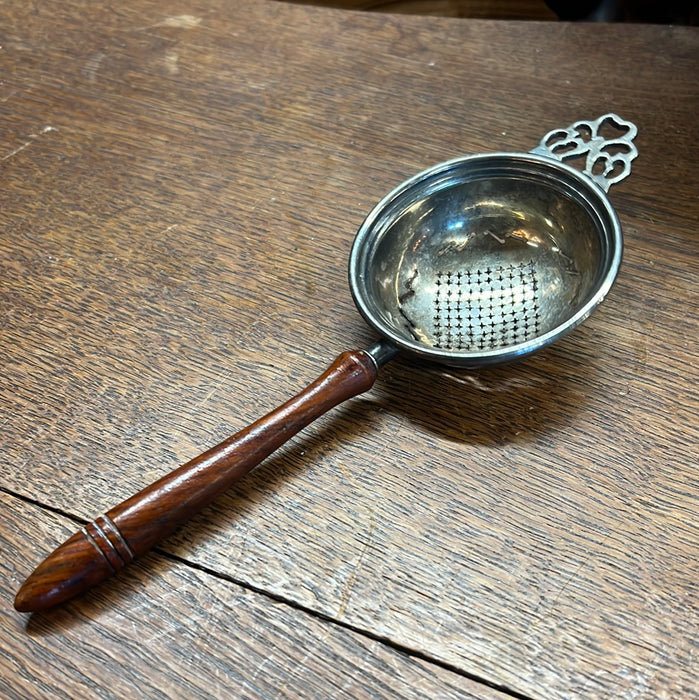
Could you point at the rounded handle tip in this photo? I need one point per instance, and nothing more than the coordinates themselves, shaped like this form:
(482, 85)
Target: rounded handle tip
(67, 572)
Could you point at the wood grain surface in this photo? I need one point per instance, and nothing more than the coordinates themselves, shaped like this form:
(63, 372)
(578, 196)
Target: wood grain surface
(181, 183)
(167, 630)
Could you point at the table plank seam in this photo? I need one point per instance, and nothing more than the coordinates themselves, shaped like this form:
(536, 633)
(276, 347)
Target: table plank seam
(391, 644)
(408, 651)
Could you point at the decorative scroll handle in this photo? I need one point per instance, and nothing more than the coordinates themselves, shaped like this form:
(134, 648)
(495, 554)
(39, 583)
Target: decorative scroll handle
(607, 160)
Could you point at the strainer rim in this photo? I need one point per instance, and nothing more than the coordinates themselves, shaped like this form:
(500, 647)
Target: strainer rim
(584, 187)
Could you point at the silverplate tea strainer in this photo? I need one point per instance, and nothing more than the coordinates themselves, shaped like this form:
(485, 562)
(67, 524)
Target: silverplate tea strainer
(476, 261)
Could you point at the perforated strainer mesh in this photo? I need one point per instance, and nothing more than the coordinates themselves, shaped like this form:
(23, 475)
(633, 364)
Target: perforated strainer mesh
(486, 309)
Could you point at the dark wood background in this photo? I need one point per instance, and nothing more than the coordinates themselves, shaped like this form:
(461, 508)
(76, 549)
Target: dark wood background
(481, 9)
(180, 189)
(647, 11)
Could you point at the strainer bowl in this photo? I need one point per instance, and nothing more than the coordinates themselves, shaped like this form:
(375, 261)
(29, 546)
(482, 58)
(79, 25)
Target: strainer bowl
(487, 258)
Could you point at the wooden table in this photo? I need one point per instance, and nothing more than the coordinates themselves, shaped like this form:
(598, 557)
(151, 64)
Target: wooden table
(181, 184)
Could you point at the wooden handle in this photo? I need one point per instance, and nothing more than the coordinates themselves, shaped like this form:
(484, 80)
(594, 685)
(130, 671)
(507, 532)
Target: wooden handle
(111, 541)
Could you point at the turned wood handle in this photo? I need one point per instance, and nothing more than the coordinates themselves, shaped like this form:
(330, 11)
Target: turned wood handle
(112, 540)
